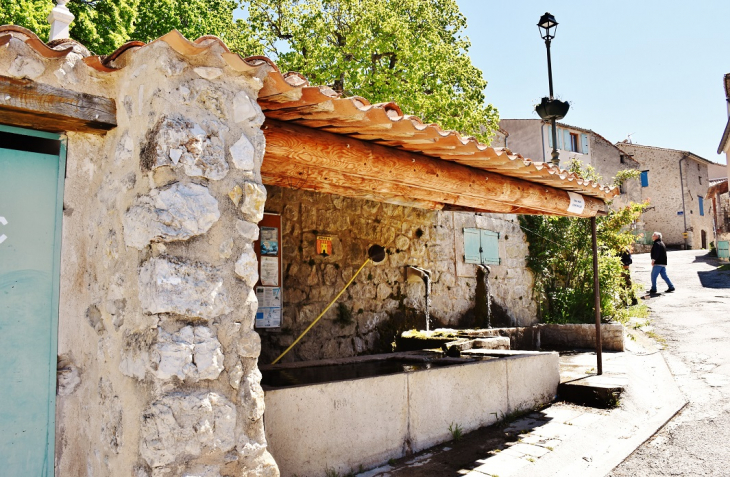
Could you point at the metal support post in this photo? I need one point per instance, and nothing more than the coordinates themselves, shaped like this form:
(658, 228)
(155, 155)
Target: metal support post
(597, 299)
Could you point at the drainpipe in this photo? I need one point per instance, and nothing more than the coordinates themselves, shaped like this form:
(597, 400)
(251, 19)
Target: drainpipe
(684, 212)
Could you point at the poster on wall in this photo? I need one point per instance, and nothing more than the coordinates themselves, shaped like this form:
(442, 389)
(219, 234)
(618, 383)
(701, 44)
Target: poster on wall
(269, 241)
(268, 288)
(268, 314)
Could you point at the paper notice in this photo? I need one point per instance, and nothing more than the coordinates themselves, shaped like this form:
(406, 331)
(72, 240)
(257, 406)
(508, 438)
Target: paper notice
(269, 271)
(269, 297)
(577, 203)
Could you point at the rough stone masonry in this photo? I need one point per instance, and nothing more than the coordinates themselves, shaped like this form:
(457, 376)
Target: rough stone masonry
(158, 372)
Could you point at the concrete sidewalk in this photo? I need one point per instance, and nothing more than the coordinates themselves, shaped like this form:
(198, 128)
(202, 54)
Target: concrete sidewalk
(569, 440)
(576, 441)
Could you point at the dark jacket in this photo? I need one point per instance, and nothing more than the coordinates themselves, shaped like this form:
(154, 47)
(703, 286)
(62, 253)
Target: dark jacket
(626, 258)
(659, 253)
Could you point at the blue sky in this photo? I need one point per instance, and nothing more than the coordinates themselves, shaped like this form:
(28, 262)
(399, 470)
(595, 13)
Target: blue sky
(648, 67)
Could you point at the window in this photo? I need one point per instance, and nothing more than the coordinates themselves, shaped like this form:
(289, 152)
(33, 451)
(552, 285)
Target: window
(700, 179)
(644, 178)
(584, 139)
(481, 246)
(622, 158)
(621, 189)
(702, 205)
(574, 147)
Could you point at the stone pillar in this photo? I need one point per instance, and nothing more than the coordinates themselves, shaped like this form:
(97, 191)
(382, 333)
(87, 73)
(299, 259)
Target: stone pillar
(60, 18)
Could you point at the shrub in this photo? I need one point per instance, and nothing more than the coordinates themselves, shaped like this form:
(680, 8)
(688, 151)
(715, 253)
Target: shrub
(561, 258)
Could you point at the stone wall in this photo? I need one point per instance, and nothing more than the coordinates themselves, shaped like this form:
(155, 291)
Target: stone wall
(525, 137)
(561, 337)
(157, 354)
(607, 162)
(665, 194)
(380, 303)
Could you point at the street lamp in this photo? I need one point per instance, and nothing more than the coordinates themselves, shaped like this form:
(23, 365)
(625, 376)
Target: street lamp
(550, 108)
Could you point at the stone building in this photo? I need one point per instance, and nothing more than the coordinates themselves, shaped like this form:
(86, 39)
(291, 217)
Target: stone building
(135, 259)
(533, 138)
(676, 183)
(719, 191)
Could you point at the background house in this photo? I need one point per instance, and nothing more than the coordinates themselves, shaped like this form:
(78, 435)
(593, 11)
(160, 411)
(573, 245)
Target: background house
(676, 184)
(719, 192)
(533, 138)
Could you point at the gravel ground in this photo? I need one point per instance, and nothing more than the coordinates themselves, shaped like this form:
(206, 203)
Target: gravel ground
(694, 322)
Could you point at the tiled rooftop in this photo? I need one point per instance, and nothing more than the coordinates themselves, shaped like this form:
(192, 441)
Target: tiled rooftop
(290, 97)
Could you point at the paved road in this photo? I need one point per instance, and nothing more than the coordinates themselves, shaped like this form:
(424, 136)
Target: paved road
(695, 322)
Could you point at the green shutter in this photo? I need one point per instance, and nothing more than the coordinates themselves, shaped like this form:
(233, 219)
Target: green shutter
(471, 246)
(566, 140)
(584, 141)
(550, 136)
(490, 247)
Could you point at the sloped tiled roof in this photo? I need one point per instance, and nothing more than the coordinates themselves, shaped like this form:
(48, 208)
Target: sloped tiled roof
(689, 154)
(290, 97)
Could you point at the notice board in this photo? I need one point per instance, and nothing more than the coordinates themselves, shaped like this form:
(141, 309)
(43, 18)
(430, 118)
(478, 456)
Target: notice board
(268, 288)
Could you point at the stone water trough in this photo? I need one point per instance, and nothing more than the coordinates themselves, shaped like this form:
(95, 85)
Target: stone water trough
(357, 413)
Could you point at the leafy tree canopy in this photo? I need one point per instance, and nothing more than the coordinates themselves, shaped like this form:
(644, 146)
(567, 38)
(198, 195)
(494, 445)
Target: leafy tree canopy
(104, 25)
(412, 52)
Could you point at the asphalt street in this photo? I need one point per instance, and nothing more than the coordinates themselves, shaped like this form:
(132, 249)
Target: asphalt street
(694, 325)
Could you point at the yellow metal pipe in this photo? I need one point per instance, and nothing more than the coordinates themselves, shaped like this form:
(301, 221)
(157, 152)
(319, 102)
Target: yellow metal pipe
(322, 314)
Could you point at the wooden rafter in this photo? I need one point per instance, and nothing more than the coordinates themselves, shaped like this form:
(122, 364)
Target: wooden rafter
(312, 159)
(26, 103)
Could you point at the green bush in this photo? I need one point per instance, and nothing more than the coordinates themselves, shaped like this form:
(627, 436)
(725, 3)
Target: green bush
(561, 258)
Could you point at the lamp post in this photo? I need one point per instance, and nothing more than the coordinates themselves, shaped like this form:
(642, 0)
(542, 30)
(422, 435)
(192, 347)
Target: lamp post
(550, 108)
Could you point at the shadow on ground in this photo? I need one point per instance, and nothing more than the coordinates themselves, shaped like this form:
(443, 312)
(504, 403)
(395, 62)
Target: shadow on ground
(715, 279)
(456, 458)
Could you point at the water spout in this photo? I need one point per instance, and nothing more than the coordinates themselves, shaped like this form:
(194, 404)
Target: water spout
(414, 274)
(485, 271)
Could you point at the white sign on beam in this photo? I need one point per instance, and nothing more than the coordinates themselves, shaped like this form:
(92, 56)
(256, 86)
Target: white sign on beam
(577, 203)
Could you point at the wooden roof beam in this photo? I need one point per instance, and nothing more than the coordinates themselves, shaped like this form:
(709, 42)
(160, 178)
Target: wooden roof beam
(326, 161)
(26, 103)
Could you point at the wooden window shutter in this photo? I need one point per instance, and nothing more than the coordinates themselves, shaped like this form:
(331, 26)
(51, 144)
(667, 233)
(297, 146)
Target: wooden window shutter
(560, 138)
(584, 141)
(566, 140)
(644, 178)
(471, 246)
(550, 136)
(490, 247)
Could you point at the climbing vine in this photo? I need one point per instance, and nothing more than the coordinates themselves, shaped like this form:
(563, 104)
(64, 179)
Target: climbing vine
(561, 257)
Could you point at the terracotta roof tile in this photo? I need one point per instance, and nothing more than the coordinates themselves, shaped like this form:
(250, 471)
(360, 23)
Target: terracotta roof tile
(290, 97)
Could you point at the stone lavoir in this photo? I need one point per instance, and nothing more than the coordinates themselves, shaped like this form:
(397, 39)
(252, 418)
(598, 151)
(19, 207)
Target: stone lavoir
(159, 208)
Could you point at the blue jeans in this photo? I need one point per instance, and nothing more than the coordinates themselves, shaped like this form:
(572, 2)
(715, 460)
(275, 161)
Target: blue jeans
(657, 270)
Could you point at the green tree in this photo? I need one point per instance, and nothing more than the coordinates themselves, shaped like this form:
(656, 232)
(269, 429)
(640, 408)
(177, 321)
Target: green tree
(412, 52)
(104, 25)
(561, 258)
(30, 14)
(192, 18)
